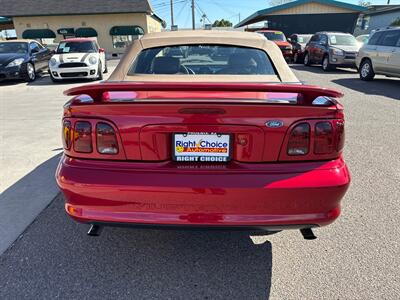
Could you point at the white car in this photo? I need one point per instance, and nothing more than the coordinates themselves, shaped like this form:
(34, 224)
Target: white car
(78, 58)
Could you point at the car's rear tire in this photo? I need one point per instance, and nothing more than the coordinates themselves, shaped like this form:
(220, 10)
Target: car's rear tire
(326, 66)
(30, 72)
(366, 70)
(307, 59)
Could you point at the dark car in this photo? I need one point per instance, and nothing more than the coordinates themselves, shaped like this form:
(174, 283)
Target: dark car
(22, 59)
(299, 42)
(331, 49)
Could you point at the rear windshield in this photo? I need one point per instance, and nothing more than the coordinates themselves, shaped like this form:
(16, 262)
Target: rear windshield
(203, 59)
(274, 36)
(76, 47)
(342, 40)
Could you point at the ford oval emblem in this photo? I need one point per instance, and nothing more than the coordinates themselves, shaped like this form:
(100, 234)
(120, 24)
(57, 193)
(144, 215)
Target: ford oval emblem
(274, 123)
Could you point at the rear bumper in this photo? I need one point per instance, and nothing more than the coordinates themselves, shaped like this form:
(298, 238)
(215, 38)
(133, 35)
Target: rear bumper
(274, 196)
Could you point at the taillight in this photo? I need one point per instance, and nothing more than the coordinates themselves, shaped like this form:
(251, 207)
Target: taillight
(106, 139)
(66, 134)
(299, 140)
(340, 136)
(323, 138)
(83, 137)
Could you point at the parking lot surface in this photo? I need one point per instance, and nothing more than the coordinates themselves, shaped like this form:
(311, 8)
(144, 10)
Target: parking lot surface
(30, 144)
(357, 257)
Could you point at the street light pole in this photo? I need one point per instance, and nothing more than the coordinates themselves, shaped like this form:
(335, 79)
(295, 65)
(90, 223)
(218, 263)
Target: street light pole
(172, 13)
(193, 20)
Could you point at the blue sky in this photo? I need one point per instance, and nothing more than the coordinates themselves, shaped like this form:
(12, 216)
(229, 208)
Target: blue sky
(218, 9)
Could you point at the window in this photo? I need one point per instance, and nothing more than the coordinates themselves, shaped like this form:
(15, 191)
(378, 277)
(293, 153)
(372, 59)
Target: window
(34, 47)
(323, 40)
(274, 35)
(342, 40)
(122, 41)
(375, 38)
(76, 47)
(123, 36)
(303, 39)
(389, 38)
(314, 38)
(203, 59)
(13, 47)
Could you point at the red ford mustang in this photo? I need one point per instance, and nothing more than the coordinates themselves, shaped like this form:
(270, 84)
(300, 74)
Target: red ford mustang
(203, 129)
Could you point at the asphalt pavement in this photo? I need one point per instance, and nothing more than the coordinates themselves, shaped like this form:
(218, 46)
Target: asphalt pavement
(30, 147)
(357, 257)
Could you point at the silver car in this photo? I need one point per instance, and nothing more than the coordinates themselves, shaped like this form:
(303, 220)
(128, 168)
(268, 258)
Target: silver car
(381, 55)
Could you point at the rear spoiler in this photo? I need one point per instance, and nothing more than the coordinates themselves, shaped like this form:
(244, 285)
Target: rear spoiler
(95, 91)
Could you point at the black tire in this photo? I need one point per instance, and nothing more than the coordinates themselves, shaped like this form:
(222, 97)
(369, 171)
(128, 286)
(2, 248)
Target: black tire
(307, 59)
(366, 70)
(326, 66)
(30, 74)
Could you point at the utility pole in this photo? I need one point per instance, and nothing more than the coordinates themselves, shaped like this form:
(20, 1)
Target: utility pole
(172, 13)
(193, 19)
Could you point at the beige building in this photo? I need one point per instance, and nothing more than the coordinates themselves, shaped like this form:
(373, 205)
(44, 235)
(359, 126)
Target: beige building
(115, 23)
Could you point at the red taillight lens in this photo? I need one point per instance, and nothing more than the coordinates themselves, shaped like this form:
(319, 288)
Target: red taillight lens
(83, 137)
(106, 139)
(340, 136)
(323, 138)
(66, 134)
(299, 140)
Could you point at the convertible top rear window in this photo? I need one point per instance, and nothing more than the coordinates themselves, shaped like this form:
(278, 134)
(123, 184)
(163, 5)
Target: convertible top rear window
(203, 59)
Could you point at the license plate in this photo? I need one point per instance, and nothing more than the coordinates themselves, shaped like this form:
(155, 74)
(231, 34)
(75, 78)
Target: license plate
(201, 147)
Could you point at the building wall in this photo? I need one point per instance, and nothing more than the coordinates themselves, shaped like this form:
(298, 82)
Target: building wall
(153, 25)
(101, 23)
(312, 23)
(382, 20)
(377, 21)
(312, 8)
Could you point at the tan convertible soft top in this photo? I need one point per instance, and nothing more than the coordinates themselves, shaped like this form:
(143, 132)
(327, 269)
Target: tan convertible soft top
(236, 38)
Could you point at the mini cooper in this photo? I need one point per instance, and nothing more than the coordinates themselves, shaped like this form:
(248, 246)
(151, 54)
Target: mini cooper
(78, 58)
(203, 129)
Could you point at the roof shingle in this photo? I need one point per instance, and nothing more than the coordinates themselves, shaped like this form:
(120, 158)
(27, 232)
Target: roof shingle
(12, 8)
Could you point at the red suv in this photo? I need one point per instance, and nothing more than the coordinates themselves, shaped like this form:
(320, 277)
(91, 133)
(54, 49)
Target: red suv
(279, 38)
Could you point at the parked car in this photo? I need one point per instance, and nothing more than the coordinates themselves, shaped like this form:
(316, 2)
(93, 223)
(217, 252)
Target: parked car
(78, 58)
(298, 42)
(279, 38)
(381, 55)
(235, 141)
(362, 39)
(22, 59)
(331, 49)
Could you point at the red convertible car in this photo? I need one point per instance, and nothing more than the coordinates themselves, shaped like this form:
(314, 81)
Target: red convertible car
(203, 129)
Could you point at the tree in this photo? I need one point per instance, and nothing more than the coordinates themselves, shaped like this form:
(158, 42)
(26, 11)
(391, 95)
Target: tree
(222, 23)
(396, 22)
